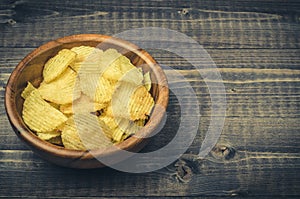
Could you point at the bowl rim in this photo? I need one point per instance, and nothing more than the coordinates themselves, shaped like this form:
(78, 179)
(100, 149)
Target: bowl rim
(33, 141)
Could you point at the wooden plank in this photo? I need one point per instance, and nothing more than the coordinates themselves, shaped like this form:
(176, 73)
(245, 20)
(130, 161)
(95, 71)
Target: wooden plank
(218, 29)
(223, 58)
(255, 45)
(249, 174)
(270, 101)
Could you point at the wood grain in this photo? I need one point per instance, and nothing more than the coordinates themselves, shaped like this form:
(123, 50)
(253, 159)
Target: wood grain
(254, 44)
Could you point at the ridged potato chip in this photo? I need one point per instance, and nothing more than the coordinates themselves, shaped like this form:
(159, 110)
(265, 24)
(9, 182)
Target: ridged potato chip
(70, 137)
(111, 71)
(49, 135)
(141, 104)
(88, 132)
(130, 102)
(58, 64)
(96, 87)
(133, 76)
(88, 57)
(124, 64)
(62, 90)
(119, 106)
(133, 128)
(120, 128)
(120, 69)
(28, 89)
(147, 81)
(116, 127)
(39, 115)
(82, 105)
(84, 52)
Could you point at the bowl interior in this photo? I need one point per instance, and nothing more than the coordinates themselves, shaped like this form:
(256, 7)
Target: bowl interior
(31, 67)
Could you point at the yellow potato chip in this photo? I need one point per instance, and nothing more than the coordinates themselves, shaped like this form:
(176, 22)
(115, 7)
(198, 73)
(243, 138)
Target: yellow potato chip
(124, 64)
(121, 69)
(90, 131)
(62, 90)
(119, 106)
(70, 137)
(107, 124)
(133, 128)
(83, 132)
(120, 128)
(39, 115)
(133, 76)
(147, 81)
(141, 104)
(110, 70)
(82, 105)
(130, 102)
(96, 87)
(83, 52)
(88, 57)
(58, 64)
(27, 90)
(114, 127)
(48, 135)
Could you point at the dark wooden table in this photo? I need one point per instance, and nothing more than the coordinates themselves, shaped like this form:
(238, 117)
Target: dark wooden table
(254, 44)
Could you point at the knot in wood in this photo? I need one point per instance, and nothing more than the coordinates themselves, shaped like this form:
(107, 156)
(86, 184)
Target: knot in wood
(184, 11)
(11, 22)
(223, 152)
(183, 171)
(186, 166)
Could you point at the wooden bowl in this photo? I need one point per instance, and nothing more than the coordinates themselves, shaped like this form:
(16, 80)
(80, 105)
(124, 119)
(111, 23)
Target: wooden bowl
(30, 69)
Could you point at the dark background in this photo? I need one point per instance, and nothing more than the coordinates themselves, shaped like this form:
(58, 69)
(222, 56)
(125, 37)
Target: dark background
(255, 45)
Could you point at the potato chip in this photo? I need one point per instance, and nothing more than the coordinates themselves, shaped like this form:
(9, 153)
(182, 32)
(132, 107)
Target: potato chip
(115, 127)
(124, 64)
(141, 104)
(62, 90)
(120, 128)
(131, 102)
(48, 135)
(84, 132)
(110, 70)
(96, 87)
(70, 137)
(58, 64)
(121, 69)
(83, 52)
(39, 115)
(90, 131)
(82, 105)
(133, 76)
(119, 106)
(27, 90)
(88, 57)
(135, 126)
(147, 81)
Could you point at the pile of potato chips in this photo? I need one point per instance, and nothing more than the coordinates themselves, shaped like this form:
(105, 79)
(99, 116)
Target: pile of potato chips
(88, 99)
